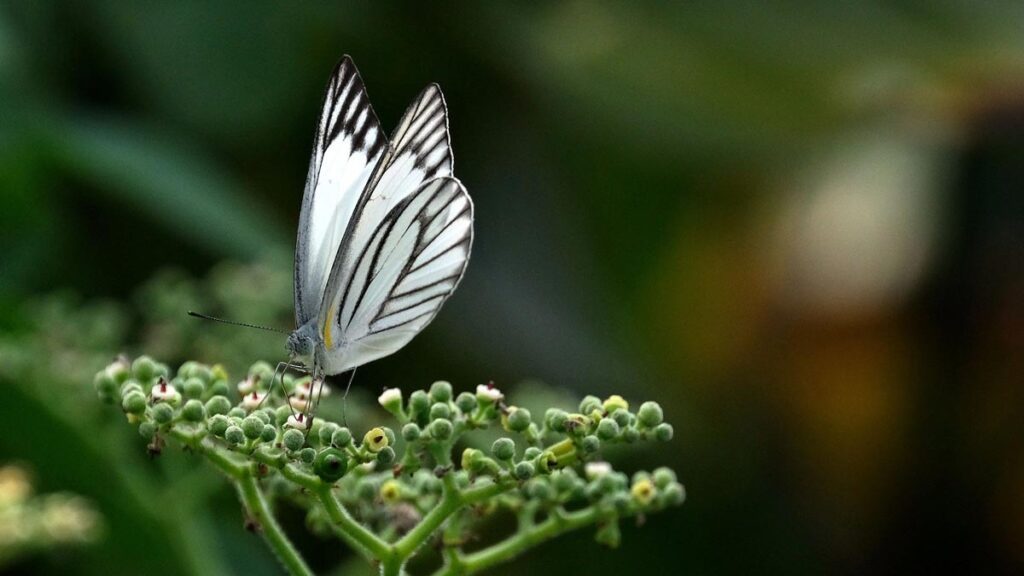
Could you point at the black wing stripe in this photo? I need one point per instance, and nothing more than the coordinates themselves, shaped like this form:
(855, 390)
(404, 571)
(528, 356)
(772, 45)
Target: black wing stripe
(453, 278)
(379, 240)
(454, 219)
(407, 307)
(402, 323)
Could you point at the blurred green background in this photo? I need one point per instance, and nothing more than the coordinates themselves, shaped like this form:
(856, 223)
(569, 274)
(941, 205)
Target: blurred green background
(800, 228)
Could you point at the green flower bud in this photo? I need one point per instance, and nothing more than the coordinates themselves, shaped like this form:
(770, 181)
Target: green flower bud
(326, 432)
(218, 388)
(118, 371)
(281, 414)
(649, 415)
(466, 402)
(307, 455)
(391, 491)
(134, 402)
(193, 388)
(218, 405)
(556, 419)
(268, 434)
(503, 449)
(674, 494)
(162, 413)
(664, 432)
(330, 464)
(218, 425)
(643, 492)
(147, 430)
(524, 470)
(341, 438)
(202, 372)
(105, 385)
(129, 386)
(441, 391)
(469, 458)
(441, 429)
(261, 370)
(237, 412)
(234, 435)
(293, 439)
(252, 426)
(531, 453)
(419, 405)
(615, 403)
(539, 489)
(621, 502)
(144, 368)
(664, 477)
(266, 415)
(607, 429)
(375, 440)
(590, 444)
(440, 411)
(562, 480)
(630, 435)
(365, 489)
(411, 432)
(193, 411)
(386, 456)
(608, 534)
(589, 404)
(518, 419)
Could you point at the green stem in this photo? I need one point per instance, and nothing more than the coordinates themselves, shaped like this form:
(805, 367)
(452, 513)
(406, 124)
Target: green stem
(556, 524)
(355, 534)
(256, 504)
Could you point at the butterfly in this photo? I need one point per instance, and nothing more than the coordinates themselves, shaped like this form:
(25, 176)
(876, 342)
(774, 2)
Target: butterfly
(385, 229)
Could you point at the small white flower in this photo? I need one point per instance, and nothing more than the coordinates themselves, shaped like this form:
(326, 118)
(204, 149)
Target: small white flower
(246, 386)
(597, 469)
(309, 387)
(297, 421)
(253, 401)
(488, 392)
(163, 391)
(390, 397)
(299, 401)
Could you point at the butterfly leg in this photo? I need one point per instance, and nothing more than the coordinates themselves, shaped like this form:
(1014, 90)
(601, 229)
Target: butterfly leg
(281, 368)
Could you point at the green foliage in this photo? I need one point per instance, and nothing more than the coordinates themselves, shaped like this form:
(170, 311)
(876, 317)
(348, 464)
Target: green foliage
(386, 496)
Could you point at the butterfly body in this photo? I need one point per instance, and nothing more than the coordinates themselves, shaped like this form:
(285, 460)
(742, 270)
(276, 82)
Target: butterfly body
(385, 229)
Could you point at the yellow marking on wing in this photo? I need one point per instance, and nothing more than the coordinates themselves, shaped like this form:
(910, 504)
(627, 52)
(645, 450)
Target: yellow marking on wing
(327, 328)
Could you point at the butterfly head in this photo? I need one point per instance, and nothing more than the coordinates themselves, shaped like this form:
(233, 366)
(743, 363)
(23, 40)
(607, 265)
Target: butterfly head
(300, 343)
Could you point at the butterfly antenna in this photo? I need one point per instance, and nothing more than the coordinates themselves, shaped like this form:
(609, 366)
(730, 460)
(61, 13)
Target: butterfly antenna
(234, 323)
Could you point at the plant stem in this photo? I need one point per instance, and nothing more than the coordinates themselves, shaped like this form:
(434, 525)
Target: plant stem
(256, 504)
(354, 533)
(556, 524)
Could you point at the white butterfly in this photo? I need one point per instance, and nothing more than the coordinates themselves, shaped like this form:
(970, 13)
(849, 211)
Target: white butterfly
(385, 230)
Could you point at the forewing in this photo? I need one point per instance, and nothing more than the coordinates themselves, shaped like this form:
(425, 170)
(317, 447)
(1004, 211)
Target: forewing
(347, 147)
(419, 151)
(411, 263)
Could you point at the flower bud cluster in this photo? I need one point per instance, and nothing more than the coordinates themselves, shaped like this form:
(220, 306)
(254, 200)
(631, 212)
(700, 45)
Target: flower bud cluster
(390, 480)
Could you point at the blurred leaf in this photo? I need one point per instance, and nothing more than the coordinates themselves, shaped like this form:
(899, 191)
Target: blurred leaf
(168, 180)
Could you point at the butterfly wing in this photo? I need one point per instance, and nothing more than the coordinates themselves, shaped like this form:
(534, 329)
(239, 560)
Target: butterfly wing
(409, 265)
(347, 147)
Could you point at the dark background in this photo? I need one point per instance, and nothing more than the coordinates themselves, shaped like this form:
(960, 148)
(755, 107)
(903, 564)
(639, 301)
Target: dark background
(799, 228)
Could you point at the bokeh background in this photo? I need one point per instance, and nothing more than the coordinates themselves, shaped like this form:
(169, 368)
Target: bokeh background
(799, 227)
